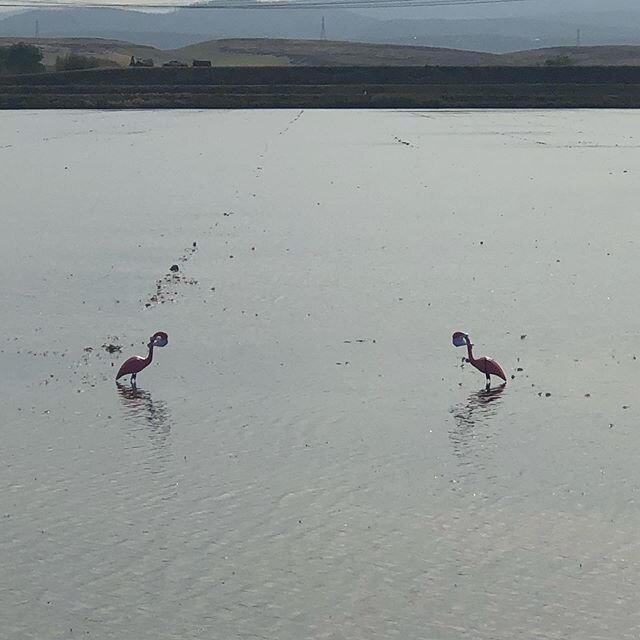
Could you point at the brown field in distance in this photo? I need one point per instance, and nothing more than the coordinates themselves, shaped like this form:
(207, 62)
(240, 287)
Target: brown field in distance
(270, 52)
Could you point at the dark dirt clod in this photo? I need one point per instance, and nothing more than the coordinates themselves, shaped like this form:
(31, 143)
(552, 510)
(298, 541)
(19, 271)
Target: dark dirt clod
(112, 348)
(174, 268)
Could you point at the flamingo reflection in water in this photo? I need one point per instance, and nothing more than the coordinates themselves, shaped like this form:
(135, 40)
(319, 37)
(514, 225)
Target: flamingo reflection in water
(140, 408)
(475, 414)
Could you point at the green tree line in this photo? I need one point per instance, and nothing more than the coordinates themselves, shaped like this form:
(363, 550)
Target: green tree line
(25, 58)
(20, 58)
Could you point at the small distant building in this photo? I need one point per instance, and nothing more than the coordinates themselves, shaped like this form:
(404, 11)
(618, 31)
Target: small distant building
(201, 63)
(140, 62)
(175, 63)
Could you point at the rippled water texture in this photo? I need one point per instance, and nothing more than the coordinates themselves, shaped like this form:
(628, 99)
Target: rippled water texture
(307, 458)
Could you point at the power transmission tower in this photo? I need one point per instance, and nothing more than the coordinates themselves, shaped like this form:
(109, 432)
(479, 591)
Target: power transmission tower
(578, 39)
(37, 28)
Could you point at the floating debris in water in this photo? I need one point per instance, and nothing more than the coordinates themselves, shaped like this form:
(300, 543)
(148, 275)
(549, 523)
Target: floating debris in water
(404, 142)
(110, 348)
(166, 287)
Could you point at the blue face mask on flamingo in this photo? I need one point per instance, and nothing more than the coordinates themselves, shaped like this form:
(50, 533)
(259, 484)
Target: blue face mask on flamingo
(458, 339)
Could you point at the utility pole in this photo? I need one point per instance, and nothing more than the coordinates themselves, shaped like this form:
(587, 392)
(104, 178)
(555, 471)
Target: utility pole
(578, 38)
(37, 28)
(323, 31)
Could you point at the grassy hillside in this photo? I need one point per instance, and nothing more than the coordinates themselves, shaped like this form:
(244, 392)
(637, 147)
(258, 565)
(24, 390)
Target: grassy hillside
(615, 56)
(260, 52)
(227, 53)
(332, 53)
(319, 53)
(117, 52)
(268, 52)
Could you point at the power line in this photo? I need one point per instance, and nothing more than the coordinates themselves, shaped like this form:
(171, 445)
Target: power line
(248, 4)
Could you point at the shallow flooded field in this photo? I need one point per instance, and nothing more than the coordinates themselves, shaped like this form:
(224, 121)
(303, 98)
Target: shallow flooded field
(308, 458)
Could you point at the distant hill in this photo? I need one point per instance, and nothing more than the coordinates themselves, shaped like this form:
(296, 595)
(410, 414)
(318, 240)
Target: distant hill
(331, 53)
(183, 26)
(602, 56)
(504, 32)
(280, 52)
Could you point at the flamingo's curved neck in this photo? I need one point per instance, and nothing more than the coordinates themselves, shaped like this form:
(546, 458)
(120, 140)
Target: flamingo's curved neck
(469, 349)
(149, 358)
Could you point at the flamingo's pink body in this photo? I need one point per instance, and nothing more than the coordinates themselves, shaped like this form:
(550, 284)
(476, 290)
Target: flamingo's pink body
(134, 365)
(485, 365)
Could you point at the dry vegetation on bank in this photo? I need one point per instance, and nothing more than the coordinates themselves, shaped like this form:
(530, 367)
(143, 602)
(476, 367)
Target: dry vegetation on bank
(267, 52)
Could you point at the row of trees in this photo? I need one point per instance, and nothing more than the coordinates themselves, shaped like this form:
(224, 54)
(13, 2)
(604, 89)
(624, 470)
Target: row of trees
(20, 58)
(25, 58)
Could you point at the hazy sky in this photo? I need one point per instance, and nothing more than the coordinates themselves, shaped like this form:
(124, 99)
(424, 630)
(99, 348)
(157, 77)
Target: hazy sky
(480, 10)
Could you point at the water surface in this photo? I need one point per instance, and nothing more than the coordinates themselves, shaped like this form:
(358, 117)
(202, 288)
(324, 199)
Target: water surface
(308, 458)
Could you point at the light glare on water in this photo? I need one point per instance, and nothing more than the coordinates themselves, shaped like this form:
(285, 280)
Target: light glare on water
(308, 457)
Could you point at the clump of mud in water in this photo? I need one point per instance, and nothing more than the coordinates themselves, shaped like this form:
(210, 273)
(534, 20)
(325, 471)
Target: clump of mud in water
(167, 287)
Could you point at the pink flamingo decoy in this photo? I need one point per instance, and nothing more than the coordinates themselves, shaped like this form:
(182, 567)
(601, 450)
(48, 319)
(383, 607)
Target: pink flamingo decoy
(136, 364)
(485, 365)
